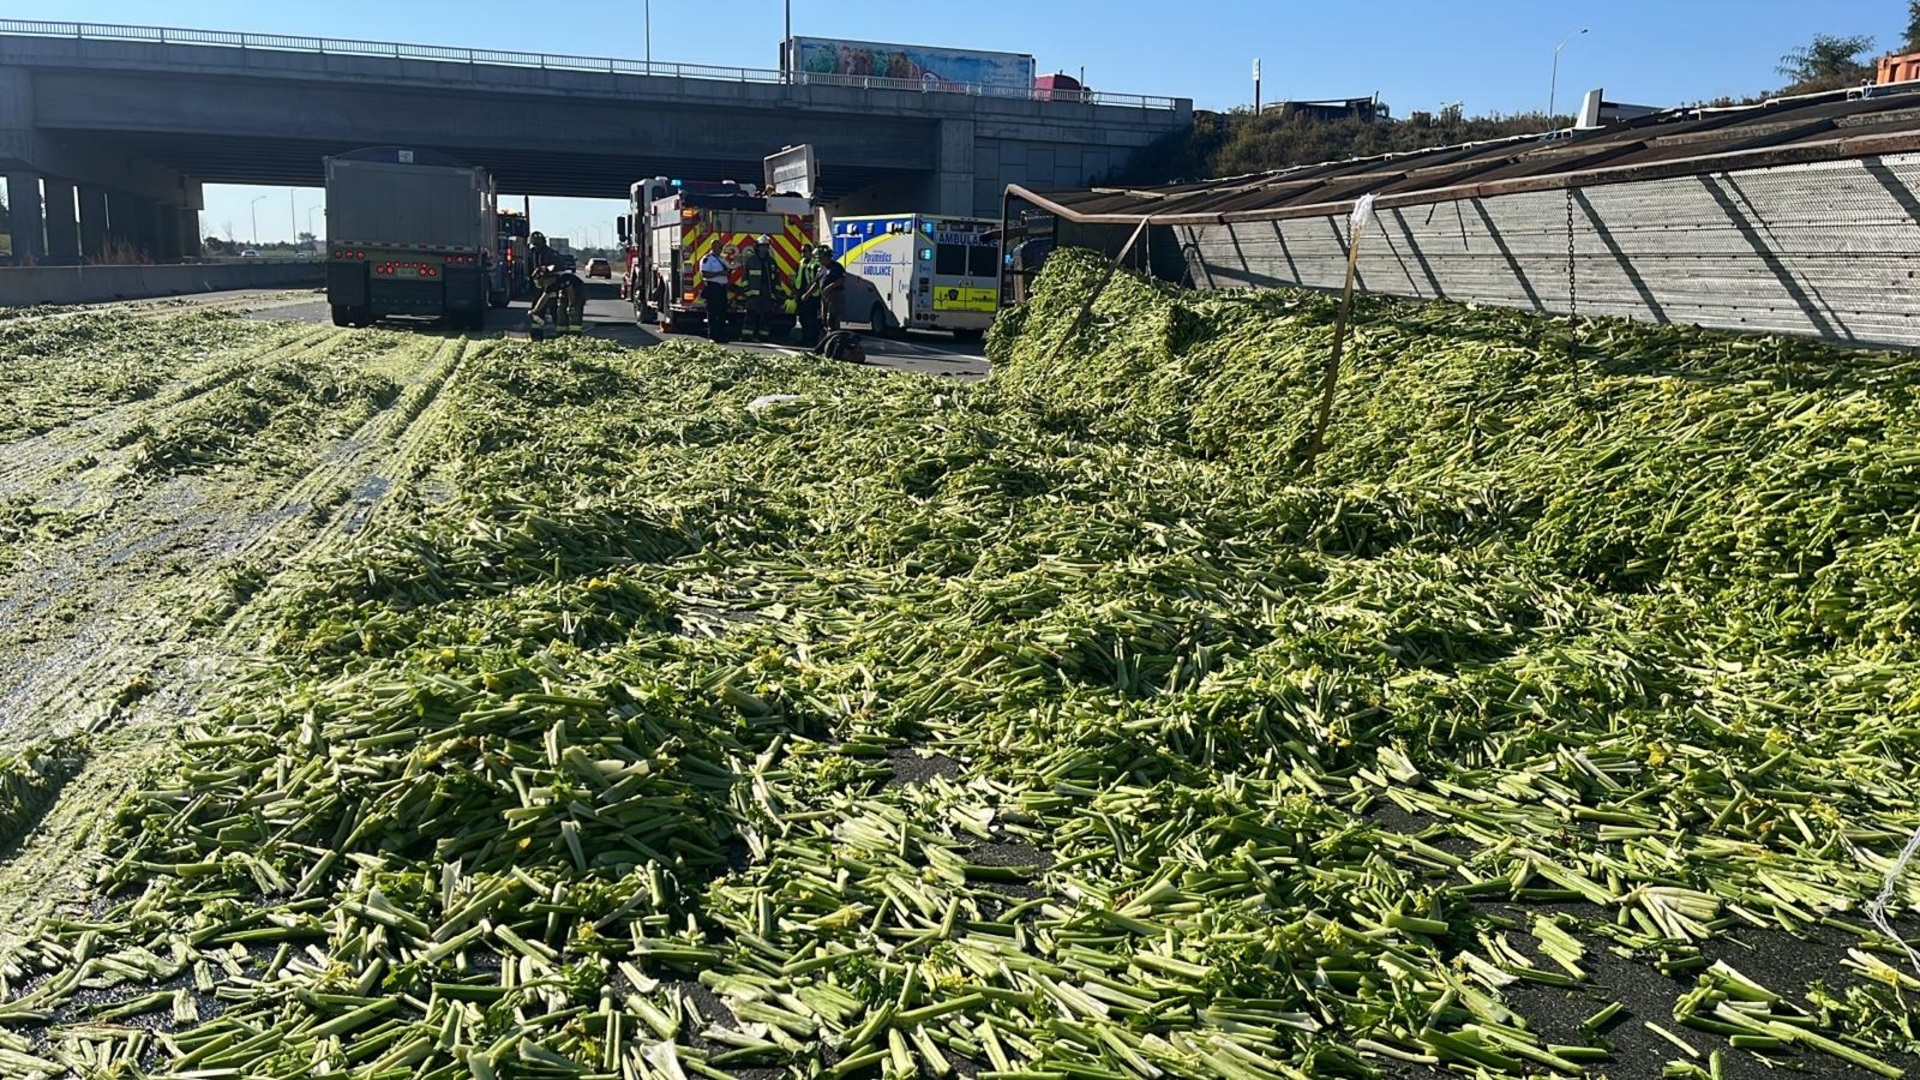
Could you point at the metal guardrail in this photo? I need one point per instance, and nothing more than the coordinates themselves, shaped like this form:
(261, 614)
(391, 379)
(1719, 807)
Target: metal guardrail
(451, 55)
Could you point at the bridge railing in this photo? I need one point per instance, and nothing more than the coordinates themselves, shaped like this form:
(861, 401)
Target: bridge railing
(556, 62)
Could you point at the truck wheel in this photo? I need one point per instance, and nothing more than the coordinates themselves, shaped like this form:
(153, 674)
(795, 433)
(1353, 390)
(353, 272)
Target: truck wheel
(878, 319)
(342, 315)
(498, 300)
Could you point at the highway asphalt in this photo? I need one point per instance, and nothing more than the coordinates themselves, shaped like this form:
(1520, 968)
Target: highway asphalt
(610, 318)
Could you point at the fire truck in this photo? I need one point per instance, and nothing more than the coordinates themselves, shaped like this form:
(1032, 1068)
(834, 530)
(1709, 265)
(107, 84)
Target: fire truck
(511, 252)
(670, 225)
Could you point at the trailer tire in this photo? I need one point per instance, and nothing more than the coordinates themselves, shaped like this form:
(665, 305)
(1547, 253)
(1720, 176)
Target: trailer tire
(499, 300)
(343, 315)
(878, 319)
(969, 335)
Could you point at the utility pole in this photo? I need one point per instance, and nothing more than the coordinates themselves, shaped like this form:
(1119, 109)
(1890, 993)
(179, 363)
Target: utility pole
(293, 218)
(254, 210)
(786, 48)
(649, 19)
(1553, 88)
(1256, 86)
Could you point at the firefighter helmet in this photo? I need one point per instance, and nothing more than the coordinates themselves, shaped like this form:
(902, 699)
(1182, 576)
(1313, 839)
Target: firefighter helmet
(763, 240)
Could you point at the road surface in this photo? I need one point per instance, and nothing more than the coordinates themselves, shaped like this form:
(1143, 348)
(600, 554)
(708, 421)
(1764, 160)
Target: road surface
(610, 318)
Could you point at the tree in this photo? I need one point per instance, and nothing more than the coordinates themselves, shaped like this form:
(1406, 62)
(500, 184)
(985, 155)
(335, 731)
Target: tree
(1828, 62)
(1229, 144)
(306, 237)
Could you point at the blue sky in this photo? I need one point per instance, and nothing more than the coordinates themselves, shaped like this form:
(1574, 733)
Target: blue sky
(1492, 55)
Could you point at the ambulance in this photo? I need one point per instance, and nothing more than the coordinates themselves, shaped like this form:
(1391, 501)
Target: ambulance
(925, 272)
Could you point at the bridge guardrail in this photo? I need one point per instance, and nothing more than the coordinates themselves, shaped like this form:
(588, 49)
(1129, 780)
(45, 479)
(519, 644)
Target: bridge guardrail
(159, 35)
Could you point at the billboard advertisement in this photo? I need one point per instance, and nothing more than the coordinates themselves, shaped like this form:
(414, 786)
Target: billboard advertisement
(933, 69)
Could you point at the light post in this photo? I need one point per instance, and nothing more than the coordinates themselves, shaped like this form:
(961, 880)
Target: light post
(310, 232)
(254, 209)
(786, 48)
(648, 7)
(1553, 87)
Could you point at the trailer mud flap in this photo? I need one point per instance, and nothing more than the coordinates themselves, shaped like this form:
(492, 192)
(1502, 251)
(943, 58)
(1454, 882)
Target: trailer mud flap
(465, 291)
(347, 284)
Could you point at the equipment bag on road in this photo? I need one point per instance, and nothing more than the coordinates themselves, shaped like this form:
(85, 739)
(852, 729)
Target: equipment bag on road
(842, 345)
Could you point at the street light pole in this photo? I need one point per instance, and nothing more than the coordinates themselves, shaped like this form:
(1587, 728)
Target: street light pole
(786, 48)
(1553, 88)
(254, 209)
(310, 211)
(648, 7)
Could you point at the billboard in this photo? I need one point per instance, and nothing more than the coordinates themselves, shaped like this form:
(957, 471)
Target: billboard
(933, 69)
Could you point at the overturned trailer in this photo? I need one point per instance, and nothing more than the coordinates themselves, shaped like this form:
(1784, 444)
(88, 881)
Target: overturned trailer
(1797, 216)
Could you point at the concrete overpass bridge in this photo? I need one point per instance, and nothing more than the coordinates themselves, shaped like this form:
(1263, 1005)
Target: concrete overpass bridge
(122, 125)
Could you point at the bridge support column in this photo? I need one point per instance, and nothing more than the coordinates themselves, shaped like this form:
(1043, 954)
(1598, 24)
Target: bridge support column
(93, 222)
(123, 228)
(24, 221)
(189, 232)
(953, 176)
(168, 244)
(134, 221)
(63, 225)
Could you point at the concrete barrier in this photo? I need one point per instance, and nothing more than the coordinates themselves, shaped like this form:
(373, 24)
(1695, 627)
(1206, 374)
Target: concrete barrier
(24, 286)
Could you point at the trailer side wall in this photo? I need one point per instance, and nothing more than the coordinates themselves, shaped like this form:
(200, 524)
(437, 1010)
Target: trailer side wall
(1819, 249)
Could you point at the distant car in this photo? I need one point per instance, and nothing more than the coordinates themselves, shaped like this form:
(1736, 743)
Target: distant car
(600, 268)
(249, 254)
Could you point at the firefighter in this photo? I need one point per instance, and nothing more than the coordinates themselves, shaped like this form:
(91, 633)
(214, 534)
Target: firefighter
(715, 275)
(762, 285)
(538, 253)
(807, 304)
(565, 293)
(833, 290)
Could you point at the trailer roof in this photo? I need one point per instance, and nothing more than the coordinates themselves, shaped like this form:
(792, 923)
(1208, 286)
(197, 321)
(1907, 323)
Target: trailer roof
(1679, 142)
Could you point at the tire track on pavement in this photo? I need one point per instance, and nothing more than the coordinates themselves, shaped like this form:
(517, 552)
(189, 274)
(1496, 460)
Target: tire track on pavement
(228, 547)
(182, 664)
(30, 465)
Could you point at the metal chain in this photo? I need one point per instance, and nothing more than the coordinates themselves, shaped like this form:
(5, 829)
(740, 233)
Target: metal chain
(1573, 297)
